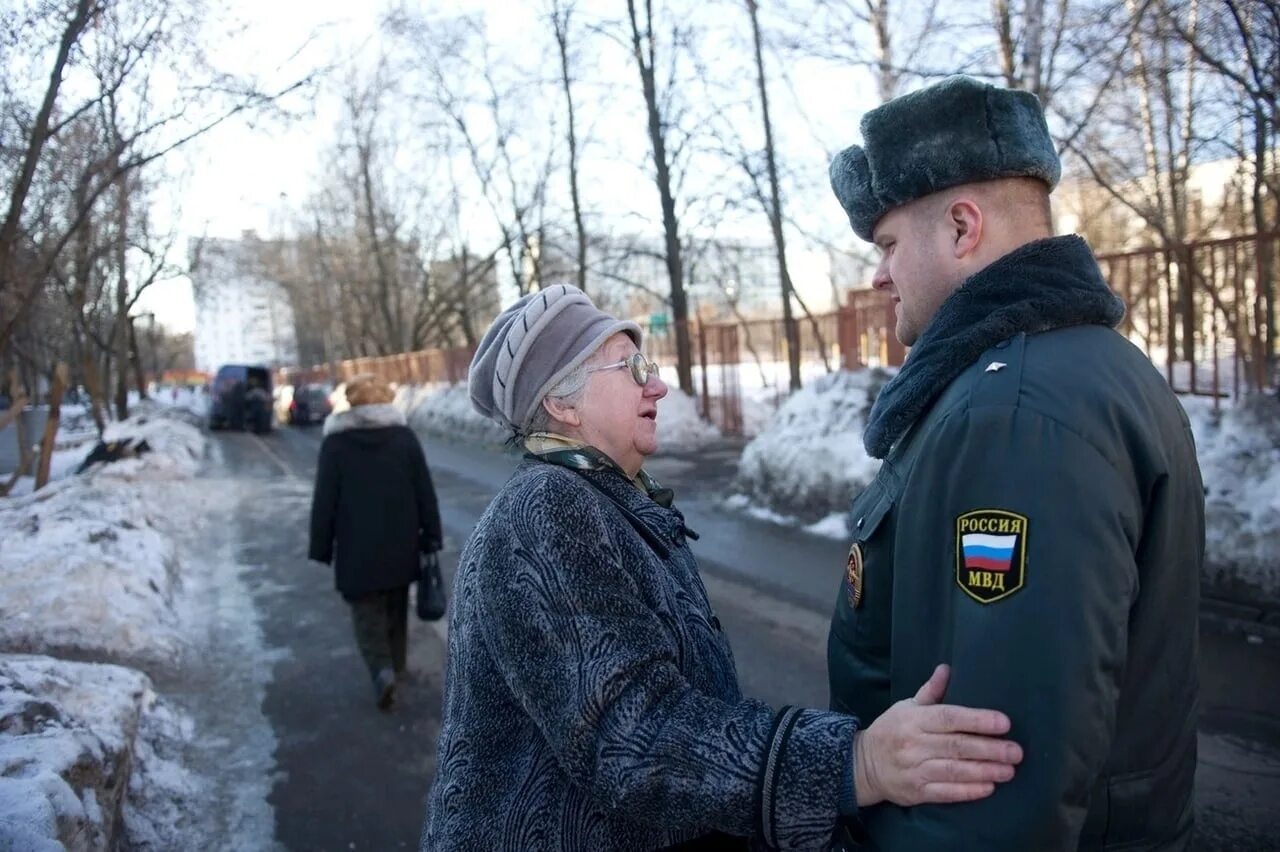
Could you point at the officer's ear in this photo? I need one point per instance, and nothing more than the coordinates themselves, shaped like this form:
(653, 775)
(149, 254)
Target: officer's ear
(964, 224)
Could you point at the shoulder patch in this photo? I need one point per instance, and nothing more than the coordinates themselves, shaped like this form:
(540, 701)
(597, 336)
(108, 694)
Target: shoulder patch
(991, 553)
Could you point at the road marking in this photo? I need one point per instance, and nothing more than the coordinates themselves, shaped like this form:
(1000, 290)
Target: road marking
(275, 457)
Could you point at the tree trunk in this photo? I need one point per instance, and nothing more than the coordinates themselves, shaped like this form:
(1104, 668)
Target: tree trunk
(670, 224)
(51, 425)
(121, 337)
(1265, 305)
(383, 271)
(1032, 47)
(93, 384)
(1004, 41)
(887, 76)
(562, 41)
(13, 300)
(135, 360)
(789, 326)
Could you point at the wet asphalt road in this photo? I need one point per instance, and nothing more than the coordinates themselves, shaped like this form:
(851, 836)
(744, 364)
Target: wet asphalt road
(350, 777)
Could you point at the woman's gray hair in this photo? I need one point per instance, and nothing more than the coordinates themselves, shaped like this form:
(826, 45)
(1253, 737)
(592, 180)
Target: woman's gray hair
(568, 391)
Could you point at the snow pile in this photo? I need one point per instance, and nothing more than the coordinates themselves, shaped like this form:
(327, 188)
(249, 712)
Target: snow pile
(763, 386)
(87, 566)
(446, 411)
(68, 734)
(177, 446)
(194, 401)
(162, 791)
(810, 461)
(680, 429)
(89, 570)
(85, 571)
(1239, 451)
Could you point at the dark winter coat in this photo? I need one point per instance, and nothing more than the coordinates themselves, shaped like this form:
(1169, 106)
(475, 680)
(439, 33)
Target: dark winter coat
(591, 701)
(374, 505)
(1038, 523)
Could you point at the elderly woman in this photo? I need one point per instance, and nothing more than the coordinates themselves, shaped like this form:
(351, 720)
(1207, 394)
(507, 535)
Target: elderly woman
(591, 700)
(375, 505)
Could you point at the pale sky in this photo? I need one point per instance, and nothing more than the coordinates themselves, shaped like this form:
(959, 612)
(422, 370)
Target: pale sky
(234, 178)
(243, 177)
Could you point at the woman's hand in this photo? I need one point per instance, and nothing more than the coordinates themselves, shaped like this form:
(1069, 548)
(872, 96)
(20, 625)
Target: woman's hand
(921, 751)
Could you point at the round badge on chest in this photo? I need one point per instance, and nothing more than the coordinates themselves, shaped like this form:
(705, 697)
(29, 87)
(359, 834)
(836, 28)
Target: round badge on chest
(853, 575)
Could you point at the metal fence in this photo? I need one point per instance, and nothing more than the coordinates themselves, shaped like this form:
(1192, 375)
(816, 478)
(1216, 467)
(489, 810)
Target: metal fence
(428, 366)
(858, 334)
(1197, 309)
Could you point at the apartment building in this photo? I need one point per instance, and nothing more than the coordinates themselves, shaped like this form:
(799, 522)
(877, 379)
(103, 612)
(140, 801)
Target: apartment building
(241, 316)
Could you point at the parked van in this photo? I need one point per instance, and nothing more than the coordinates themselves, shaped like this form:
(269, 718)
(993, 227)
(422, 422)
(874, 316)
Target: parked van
(241, 398)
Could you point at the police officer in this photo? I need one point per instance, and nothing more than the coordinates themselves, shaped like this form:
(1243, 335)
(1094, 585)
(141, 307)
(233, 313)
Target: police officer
(1038, 520)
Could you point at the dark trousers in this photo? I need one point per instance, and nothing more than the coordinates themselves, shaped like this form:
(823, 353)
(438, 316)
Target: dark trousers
(381, 621)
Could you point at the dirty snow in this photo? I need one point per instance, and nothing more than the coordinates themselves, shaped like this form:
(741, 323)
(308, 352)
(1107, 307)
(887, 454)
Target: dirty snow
(680, 428)
(112, 600)
(445, 411)
(808, 464)
(809, 461)
(87, 568)
(68, 731)
(1239, 451)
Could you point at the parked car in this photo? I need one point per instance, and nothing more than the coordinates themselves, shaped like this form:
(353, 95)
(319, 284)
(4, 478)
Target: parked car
(241, 398)
(298, 405)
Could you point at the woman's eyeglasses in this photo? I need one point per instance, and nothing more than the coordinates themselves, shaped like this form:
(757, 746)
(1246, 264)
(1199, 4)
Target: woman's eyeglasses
(642, 369)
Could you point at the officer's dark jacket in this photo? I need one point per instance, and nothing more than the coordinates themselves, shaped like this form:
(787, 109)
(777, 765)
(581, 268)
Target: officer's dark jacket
(1038, 523)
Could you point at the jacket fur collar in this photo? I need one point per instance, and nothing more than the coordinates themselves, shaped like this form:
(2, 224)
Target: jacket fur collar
(1046, 284)
(377, 416)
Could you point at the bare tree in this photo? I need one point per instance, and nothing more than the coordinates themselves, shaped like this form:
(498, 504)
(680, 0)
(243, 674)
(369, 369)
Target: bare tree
(474, 106)
(1151, 182)
(878, 35)
(72, 180)
(561, 17)
(774, 206)
(13, 295)
(1238, 41)
(645, 52)
(1024, 71)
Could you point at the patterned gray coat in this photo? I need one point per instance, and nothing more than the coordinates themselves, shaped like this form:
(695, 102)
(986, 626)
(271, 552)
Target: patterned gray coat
(591, 700)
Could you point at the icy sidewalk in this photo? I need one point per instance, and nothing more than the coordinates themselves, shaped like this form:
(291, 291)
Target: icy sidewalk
(104, 581)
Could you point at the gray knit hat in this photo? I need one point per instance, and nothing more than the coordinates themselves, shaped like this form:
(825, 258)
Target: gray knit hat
(953, 132)
(532, 345)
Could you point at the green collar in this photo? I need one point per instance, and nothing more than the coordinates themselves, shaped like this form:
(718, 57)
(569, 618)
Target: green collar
(586, 457)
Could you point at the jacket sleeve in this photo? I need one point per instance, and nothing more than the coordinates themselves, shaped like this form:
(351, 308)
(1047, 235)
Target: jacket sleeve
(431, 535)
(324, 504)
(598, 673)
(1051, 652)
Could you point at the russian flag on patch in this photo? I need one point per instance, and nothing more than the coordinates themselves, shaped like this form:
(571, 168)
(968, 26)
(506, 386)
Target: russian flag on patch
(988, 552)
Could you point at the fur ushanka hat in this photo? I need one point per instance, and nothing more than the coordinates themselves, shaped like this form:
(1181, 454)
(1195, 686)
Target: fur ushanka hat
(953, 132)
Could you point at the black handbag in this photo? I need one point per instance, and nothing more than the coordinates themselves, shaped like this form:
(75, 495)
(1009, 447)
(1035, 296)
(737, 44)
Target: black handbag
(431, 598)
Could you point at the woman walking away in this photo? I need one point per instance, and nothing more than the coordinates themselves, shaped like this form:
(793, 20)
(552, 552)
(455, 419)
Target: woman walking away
(375, 507)
(591, 700)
